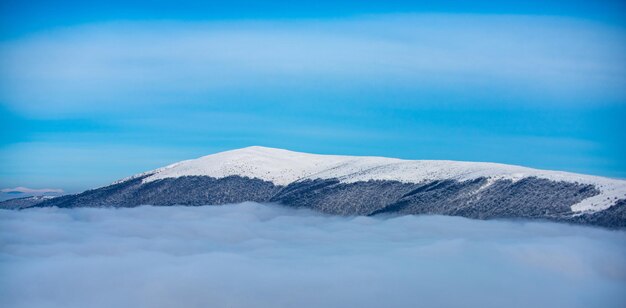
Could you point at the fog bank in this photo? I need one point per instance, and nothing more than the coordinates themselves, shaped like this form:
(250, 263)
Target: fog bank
(254, 255)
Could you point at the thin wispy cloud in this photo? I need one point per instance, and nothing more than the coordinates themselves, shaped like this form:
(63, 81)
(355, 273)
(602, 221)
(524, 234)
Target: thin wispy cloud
(543, 91)
(559, 60)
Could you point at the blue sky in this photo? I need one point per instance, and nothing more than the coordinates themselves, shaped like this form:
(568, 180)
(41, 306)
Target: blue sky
(94, 91)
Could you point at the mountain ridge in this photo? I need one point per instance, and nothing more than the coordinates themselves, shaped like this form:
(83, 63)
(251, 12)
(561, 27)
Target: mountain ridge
(283, 167)
(365, 185)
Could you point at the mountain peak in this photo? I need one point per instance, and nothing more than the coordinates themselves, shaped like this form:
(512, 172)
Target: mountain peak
(258, 148)
(283, 167)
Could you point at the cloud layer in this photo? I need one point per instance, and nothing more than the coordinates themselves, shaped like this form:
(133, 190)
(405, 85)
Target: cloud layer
(252, 255)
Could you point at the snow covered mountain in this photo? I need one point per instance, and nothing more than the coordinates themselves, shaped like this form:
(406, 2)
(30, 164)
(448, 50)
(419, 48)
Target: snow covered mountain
(353, 185)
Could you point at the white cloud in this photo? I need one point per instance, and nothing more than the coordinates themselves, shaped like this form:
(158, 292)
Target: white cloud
(95, 66)
(251, 255)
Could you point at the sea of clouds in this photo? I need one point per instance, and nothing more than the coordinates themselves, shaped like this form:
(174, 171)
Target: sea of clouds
(255, 255)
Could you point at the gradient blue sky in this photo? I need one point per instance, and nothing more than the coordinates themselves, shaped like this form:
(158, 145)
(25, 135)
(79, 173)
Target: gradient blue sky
(94, 91)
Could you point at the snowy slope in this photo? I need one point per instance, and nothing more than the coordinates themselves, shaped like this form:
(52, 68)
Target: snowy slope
(283, 167)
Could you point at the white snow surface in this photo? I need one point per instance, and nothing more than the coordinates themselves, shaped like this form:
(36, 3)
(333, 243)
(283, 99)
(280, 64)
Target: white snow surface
(283, 167)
